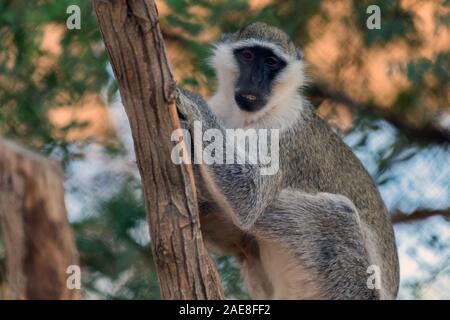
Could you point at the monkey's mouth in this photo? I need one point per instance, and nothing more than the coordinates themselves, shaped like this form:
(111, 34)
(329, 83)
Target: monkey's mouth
(249, 102)
(249, 97)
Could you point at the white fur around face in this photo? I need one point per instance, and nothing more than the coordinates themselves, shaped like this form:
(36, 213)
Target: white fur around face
(281, 111)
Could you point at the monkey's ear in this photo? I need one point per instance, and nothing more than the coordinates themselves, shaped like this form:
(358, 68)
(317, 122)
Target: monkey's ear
(299, 54)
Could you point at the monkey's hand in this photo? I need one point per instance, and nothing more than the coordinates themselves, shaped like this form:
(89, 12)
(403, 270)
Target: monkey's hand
(188, 110)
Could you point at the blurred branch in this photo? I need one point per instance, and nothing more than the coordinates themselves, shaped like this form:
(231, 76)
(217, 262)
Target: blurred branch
(428, 133)
(38, 239)
(401, 217)
(173, 37)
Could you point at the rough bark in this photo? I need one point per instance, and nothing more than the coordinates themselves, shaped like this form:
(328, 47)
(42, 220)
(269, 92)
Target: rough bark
(38, 240)
(136, 50)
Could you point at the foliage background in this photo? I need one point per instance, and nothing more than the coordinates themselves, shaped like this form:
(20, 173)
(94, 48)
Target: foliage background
(385, 91)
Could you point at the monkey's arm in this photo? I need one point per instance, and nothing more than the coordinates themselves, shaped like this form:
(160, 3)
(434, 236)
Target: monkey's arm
(239, 189)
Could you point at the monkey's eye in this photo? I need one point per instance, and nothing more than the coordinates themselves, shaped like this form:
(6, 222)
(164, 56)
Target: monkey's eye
(247, 55)
(271, 61)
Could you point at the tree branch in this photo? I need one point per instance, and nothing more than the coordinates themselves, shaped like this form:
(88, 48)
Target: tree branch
(401, 217)
(136, 51)
(428, 133)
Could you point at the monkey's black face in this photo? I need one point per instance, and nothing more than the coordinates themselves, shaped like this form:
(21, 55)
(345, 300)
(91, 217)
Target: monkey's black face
(258, 67)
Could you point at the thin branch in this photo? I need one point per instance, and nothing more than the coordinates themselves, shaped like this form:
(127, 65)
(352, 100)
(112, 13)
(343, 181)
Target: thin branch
(429, 132)
(401, 217)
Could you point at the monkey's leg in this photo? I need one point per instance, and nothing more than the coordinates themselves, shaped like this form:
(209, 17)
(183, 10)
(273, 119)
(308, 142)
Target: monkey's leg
(311, 246)
(223, 236)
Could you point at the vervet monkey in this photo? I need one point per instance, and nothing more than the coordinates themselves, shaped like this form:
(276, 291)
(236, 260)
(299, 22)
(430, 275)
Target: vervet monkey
(313, 229)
